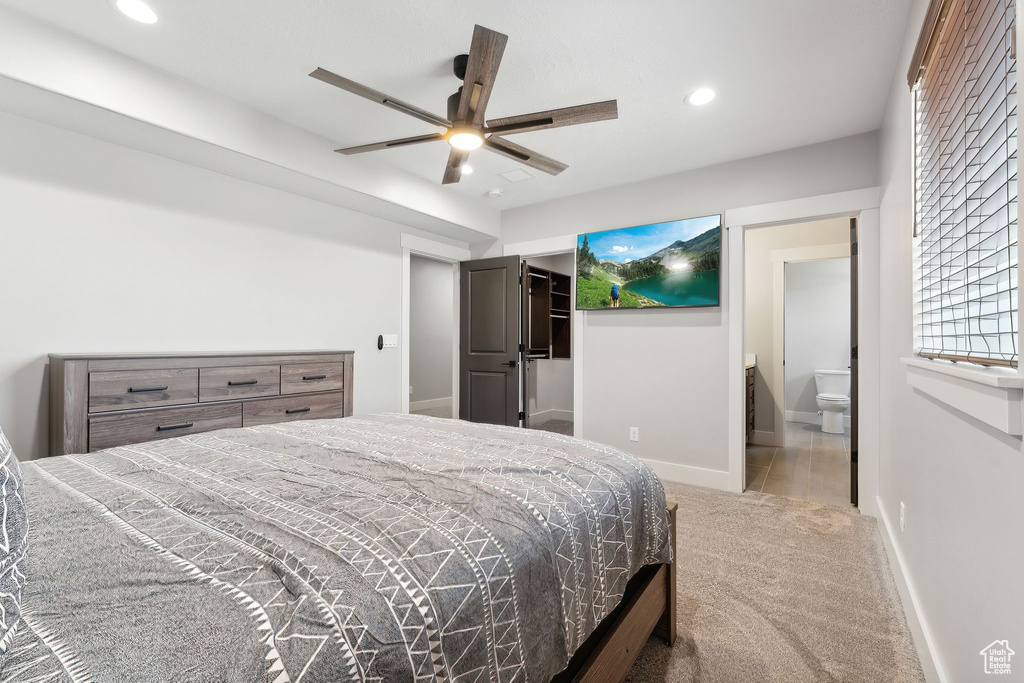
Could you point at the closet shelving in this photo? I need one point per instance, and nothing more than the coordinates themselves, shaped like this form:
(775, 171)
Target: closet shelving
(549, 314)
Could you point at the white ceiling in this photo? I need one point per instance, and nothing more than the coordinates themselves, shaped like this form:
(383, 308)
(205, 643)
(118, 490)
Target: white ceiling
(787, 73)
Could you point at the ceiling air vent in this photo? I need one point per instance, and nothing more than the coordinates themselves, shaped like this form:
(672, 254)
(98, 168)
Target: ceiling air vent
(517, 175)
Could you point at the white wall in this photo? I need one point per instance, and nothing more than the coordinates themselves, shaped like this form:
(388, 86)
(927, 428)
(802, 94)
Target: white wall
(552, 380)
(963, 548)
(817, 327)
(431, 320)
(666, 371)
(106, 249)
(759, 285)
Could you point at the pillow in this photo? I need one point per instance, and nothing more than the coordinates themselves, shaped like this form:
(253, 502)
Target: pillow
(13, 544)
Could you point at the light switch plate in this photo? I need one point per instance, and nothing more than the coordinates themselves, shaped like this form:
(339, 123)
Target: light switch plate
(390, 341)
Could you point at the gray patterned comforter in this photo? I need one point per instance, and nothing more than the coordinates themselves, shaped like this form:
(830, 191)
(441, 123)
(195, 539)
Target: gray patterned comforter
(382, 548)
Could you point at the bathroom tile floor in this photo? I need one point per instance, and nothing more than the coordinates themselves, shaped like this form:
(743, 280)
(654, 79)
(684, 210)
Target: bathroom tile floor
(812, 465)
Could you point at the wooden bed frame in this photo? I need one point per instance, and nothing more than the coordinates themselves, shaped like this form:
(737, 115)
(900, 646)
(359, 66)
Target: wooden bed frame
(647, 608)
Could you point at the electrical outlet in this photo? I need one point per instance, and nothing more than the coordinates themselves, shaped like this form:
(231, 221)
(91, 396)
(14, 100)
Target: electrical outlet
(903, 516)
(634, 433)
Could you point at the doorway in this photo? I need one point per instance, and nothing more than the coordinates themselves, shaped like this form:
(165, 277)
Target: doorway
(548, 367)
(516, 341)
(431, 343)
(798, 282)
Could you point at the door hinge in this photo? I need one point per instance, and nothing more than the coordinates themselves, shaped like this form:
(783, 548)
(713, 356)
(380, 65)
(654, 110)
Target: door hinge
(853, 249)
(853, 457)
(853, 353)
(522, 415)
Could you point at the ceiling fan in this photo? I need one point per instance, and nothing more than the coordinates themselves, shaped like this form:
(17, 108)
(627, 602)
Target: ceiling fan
(465, 129)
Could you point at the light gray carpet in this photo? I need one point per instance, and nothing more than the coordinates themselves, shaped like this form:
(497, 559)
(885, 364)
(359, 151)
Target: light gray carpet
(446, 411)
(556, 426)
(777, 589)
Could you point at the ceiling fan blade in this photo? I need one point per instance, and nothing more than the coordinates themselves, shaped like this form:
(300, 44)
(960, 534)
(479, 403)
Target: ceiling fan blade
(524, 155)
(555, 118)
(388, 144)
(453, 170)
(379, 97)
(484, 59)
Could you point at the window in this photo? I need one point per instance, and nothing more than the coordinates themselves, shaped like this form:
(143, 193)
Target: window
(965, 81)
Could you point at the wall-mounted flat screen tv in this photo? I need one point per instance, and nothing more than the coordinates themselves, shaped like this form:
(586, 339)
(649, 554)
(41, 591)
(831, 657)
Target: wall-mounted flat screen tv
(672, 264)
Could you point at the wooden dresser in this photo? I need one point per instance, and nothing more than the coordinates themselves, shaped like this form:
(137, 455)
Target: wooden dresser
(103, 401)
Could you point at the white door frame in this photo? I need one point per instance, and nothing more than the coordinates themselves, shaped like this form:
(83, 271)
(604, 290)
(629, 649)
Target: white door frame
(863, 204)
(780, 257)
(548, 247)
(438, 251)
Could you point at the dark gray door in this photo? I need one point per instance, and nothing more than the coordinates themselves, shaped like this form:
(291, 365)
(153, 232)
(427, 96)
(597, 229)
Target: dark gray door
(853, 360)
(524, 338)
(489, 341)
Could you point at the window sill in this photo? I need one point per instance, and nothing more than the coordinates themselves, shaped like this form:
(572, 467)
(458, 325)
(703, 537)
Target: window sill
(993, 395)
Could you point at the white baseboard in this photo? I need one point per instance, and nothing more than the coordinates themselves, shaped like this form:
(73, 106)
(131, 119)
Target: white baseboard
(759, 437)
(811, 418)
(543, 416)
(923, 641)
(688, 474)
(430, 403)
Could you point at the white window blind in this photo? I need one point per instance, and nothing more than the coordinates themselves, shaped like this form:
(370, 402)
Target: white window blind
(966, 185)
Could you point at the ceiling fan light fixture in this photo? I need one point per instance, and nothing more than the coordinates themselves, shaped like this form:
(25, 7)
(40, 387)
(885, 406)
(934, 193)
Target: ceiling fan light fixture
(137, 10)
(700, 97)
(466, 139)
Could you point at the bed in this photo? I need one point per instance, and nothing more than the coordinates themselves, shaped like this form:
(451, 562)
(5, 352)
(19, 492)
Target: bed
(378, 548)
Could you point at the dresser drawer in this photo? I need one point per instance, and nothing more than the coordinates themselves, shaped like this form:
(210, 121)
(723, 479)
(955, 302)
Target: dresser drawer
(305, 377)
(108, 431)
(221, 384)
(124, 389)
(312, 407)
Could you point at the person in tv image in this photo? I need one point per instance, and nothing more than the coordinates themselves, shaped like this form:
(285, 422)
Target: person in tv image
(615, 296)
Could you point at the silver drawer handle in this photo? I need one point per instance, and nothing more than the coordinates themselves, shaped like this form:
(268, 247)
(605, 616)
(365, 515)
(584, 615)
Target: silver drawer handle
(244, 383)
(292, 411)
(167, 428)
(139, 390)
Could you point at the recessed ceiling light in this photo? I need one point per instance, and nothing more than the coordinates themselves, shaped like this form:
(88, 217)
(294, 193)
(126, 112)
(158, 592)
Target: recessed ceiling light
(699, 97)
(467, 169)
(137, 10)
(495, 193)
(465, 138)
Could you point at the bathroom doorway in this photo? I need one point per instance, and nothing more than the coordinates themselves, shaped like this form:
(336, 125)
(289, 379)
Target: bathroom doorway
(816, 367)
(798, 329)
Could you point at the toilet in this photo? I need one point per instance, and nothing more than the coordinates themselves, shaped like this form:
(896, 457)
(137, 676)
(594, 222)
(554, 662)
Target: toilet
(833, 398)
